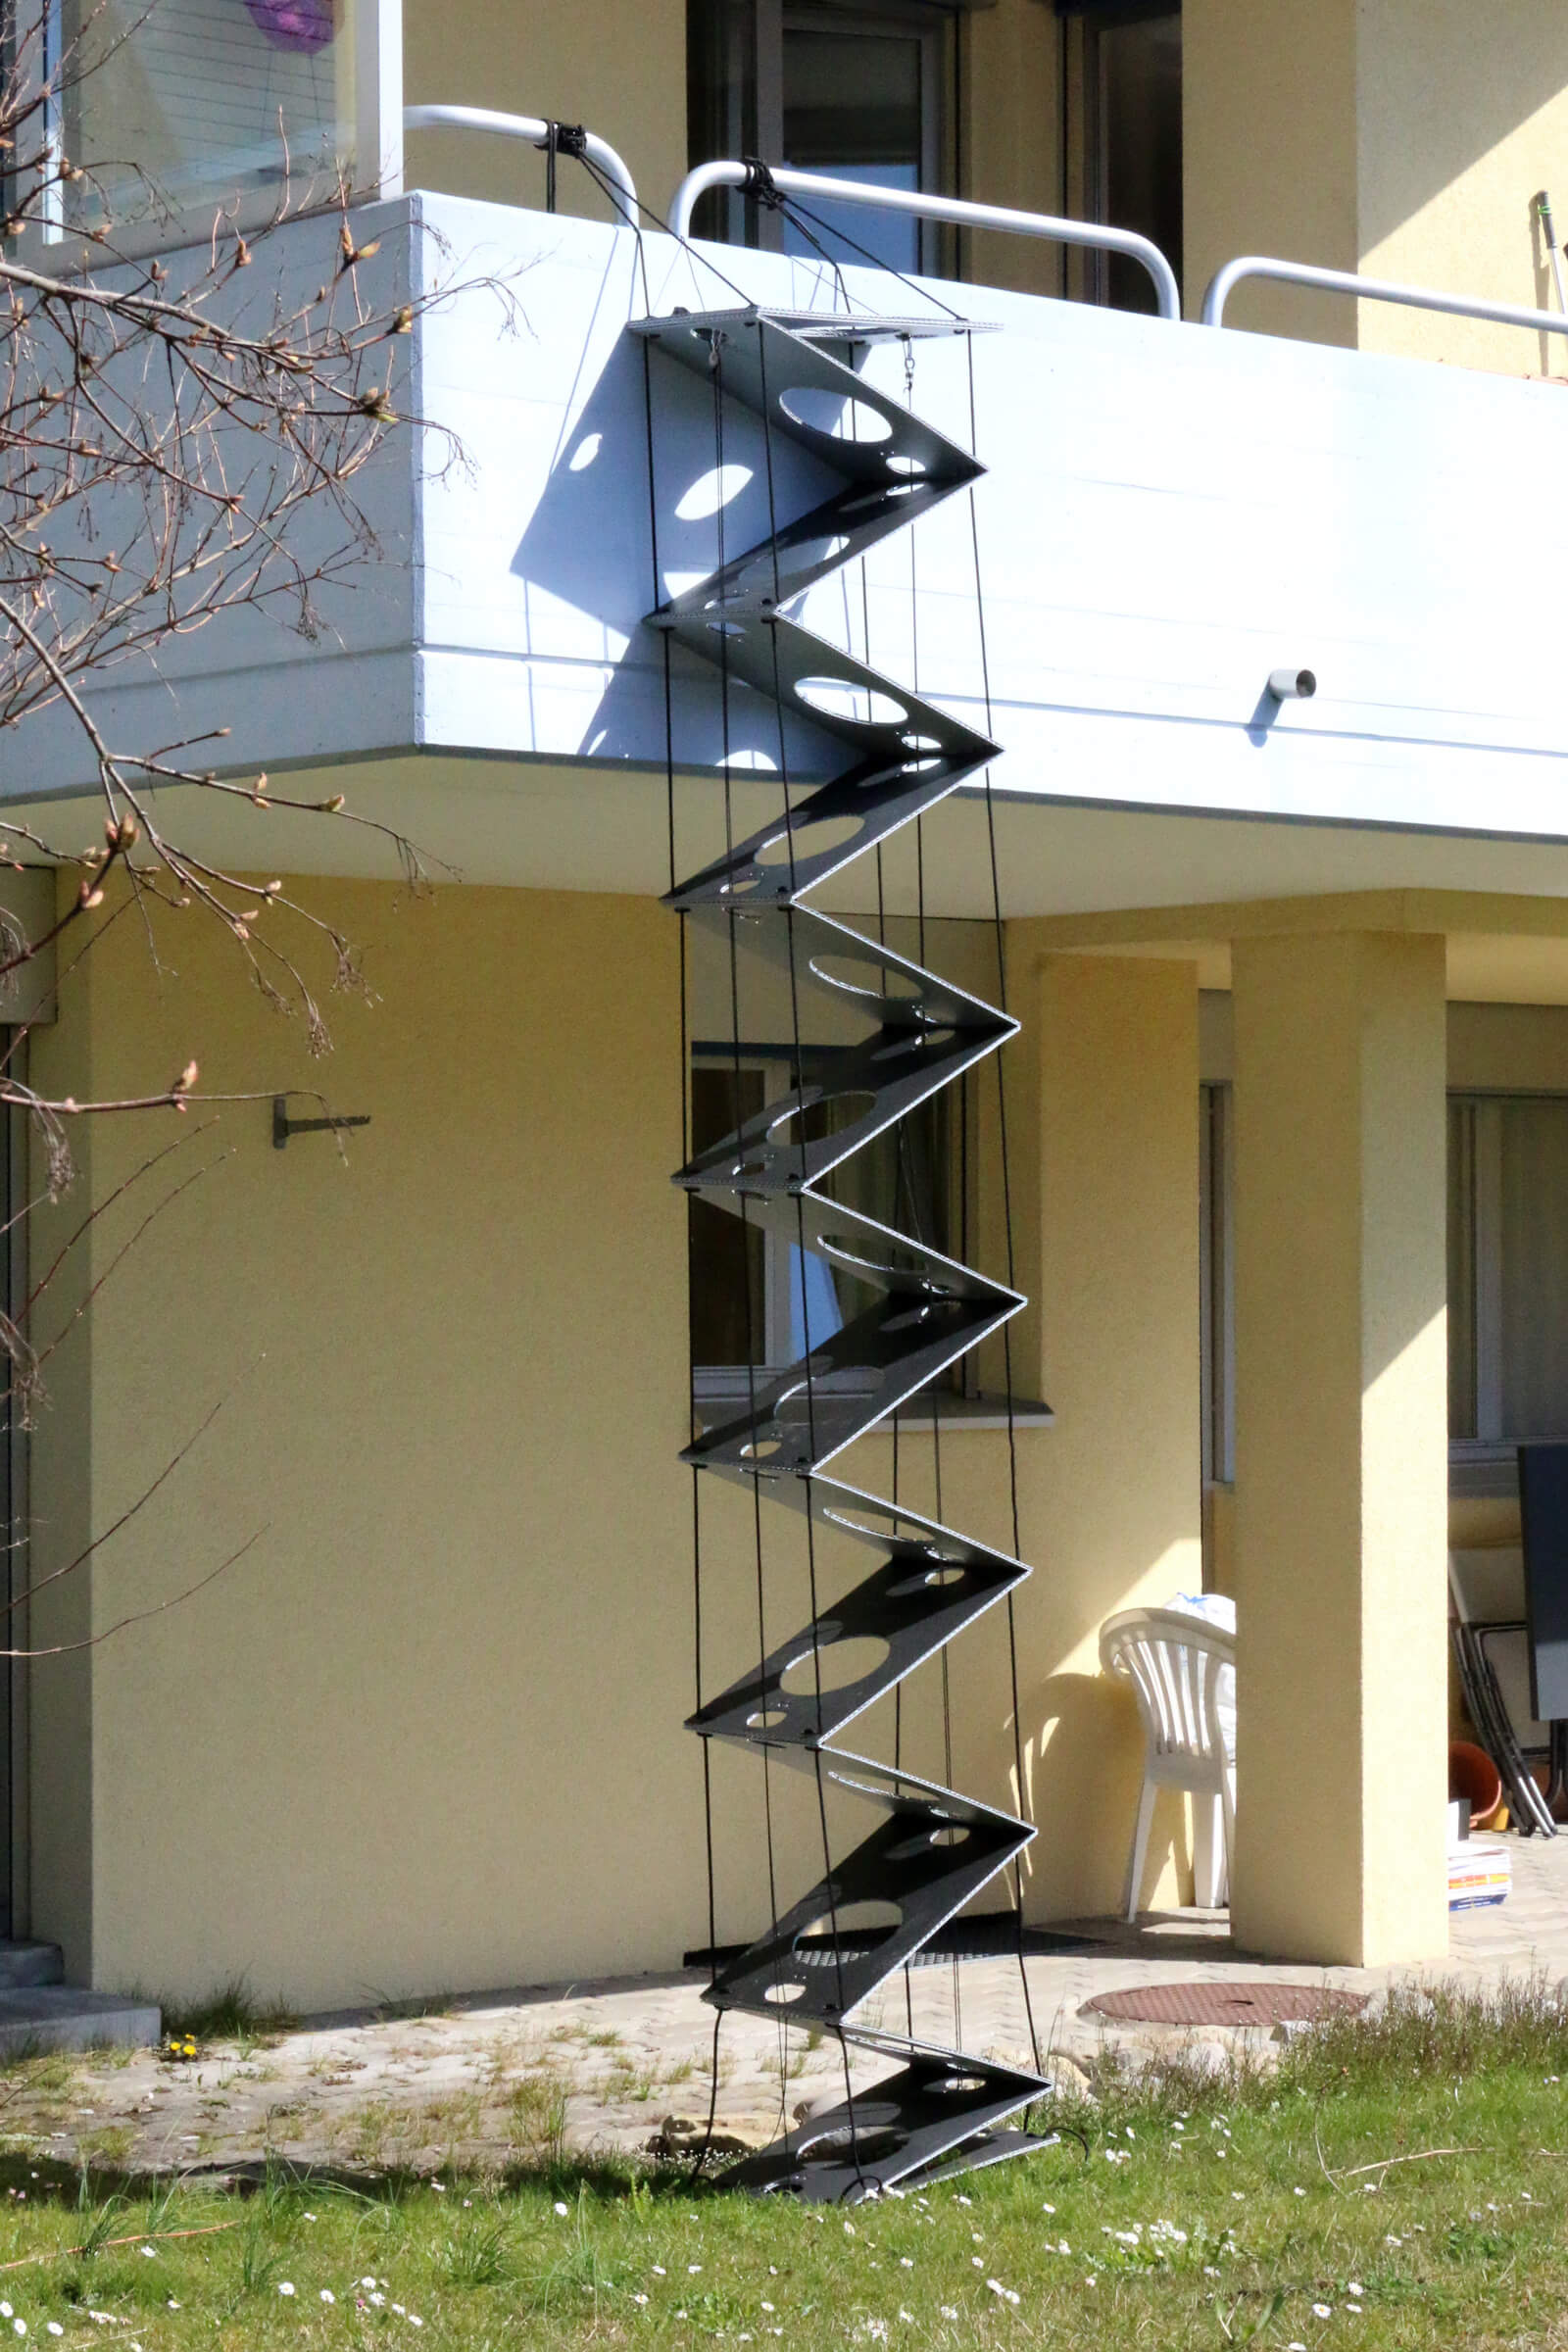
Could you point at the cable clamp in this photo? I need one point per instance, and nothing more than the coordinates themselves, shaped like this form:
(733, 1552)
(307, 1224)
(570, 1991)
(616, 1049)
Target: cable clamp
(760, 182)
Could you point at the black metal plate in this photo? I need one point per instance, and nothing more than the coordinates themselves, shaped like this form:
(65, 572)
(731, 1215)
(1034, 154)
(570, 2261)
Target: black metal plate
(896, 2132)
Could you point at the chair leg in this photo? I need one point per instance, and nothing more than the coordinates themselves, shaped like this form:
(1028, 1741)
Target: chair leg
(1208, 1852)
(1135, 1861)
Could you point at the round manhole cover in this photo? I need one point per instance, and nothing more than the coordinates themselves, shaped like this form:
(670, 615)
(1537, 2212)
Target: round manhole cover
(1224, 2004)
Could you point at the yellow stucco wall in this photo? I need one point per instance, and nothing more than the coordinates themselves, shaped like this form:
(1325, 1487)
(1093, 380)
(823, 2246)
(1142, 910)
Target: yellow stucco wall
(455, 1368)
(1103, 1119)
(1404, 138)
(426, 1732)
(1269, 151)
(620, 68)
(1011, 140)
(1462, 120)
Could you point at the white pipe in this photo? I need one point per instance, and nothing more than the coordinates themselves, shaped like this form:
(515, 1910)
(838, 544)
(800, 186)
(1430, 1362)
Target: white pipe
(1367, 289)
(958, 209)
(519, 127)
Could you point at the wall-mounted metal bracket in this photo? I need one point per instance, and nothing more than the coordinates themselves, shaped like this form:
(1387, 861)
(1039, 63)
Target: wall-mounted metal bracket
(283, 1126)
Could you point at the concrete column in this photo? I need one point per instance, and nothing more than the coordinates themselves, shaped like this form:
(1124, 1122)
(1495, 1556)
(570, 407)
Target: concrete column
(1341, 1447)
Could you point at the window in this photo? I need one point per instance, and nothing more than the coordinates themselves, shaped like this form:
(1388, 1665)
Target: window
(1507, 1280)
(186, 106)
(856, 93)
(752, 1294)
(1507, 1270)
(1128, 77)
(191, 101)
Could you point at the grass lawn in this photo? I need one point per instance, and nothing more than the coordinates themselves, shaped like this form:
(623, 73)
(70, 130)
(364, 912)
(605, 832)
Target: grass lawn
(1399, 2183)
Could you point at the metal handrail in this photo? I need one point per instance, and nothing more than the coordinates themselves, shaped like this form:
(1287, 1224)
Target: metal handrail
(520, 127)
(1368, 289)
(959, 209)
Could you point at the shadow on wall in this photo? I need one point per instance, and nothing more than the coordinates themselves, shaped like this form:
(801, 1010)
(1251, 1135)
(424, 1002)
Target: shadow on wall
(1088, 1752)
(1453, 116)
(589, 546)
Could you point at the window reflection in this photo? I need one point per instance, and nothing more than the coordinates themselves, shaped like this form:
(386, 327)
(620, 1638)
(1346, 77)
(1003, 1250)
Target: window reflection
(169, 104)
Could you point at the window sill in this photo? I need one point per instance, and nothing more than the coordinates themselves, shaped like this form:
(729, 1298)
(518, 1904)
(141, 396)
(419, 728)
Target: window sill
(1481, 1472)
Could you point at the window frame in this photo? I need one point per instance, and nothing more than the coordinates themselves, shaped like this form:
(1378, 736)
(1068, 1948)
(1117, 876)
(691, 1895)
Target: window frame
(1486, 1463)
(717, 1382)
(933, 21)
(1216, 1267)
(1084, 93)
(375, 29)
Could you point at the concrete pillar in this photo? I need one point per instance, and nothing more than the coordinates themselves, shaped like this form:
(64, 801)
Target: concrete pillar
(1341, 1447)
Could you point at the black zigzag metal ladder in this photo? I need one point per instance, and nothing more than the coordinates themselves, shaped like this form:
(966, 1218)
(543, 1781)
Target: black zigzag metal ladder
(938, 2111)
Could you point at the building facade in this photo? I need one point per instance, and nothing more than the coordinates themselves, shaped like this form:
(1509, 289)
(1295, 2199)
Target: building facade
(1287, 1119)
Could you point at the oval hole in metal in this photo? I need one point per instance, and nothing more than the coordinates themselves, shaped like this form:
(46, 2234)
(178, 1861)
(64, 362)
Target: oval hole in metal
(949, 2087)
(862, 1524)
(867, 2148)
(839, 1663)
(890, 1261)
(833, 416)
(861, 1928)
(909, 1588)
(781, 1995)
(767, 1719)
(813, 839)
(857, 1097)
(851, 702)
(834, 972)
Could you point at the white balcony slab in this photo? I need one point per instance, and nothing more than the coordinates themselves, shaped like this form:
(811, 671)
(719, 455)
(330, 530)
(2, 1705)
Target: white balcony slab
(1169, 514)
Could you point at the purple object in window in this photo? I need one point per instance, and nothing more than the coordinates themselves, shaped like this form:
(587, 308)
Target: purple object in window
(293, 23)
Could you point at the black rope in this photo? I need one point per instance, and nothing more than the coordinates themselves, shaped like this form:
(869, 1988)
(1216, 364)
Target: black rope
(1006, 1213)
(794, 210)
(691, 1378)
(840, 283)
(882, 941)
(616, 199)
(717, 358)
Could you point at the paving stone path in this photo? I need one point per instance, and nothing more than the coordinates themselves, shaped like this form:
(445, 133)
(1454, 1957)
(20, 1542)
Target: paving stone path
(507, 2077)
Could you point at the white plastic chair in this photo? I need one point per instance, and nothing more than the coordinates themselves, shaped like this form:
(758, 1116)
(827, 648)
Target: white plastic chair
(1183, 1674)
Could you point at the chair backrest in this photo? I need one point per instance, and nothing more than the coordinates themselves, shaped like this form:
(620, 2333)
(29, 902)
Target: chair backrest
(1487, 1585)
(1183, 1673)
